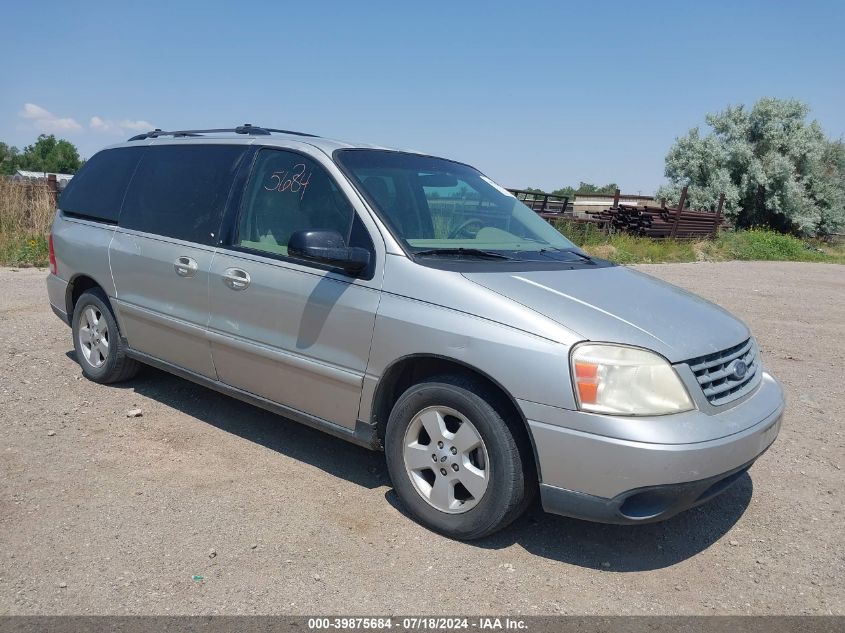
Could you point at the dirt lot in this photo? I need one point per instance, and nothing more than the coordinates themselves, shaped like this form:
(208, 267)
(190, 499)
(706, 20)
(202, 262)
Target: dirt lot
(100, 513)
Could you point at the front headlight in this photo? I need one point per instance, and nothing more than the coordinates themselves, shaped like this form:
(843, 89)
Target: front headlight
(626, 381)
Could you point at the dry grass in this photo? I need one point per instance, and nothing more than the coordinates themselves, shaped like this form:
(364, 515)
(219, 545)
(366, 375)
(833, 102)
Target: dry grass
(26, 212)
(25, 208)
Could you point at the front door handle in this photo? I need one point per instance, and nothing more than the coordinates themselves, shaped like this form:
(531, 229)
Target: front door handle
(185, 266)
(236, 278)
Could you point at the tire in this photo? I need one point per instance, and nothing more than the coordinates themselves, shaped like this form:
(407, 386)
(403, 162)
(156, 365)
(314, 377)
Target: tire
(100, 350)
(502, 454)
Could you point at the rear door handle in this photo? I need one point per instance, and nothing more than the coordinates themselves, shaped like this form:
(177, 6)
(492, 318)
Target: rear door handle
(236, 278)
(185, 266)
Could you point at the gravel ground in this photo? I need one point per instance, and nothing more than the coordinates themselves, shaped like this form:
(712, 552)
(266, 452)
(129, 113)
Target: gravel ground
(205, 505)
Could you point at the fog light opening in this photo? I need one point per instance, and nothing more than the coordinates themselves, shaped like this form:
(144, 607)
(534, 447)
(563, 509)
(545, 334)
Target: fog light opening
(646, 505)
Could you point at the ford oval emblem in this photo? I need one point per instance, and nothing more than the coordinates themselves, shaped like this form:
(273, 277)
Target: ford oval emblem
(738, 369)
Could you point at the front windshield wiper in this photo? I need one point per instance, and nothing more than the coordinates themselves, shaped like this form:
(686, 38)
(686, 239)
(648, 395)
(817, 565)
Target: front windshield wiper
(460, 252)
(583, 256)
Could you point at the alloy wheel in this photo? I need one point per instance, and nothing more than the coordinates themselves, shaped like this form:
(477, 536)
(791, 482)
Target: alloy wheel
(446, 459)
(93, 336)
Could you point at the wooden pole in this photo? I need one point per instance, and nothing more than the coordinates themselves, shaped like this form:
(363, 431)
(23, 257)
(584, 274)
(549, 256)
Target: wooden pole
(678, 211)
(616, 198)
(53, 187)
(718, 214)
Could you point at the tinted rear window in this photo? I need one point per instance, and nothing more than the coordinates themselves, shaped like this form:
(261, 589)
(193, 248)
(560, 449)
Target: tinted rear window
(180, 191)
(96, 192)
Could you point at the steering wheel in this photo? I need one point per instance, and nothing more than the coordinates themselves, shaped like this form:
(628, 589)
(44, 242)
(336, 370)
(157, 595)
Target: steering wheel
(458, 232)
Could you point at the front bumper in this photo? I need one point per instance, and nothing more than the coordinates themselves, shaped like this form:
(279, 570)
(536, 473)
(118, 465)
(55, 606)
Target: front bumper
(613, 480)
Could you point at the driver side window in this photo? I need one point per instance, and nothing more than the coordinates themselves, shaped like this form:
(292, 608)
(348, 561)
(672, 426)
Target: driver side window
(289, 192)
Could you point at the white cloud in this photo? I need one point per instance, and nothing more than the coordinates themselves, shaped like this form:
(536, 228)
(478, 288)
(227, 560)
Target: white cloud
(45, 121)
(139, 126)
(60, 125)
(97, 123)
(32, 111)
(108, 126)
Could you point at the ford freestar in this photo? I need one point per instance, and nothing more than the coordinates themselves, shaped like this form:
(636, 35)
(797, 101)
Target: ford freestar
(409, 303)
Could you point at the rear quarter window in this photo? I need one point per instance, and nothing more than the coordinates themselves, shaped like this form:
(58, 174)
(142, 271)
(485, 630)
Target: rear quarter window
(97, 191)
(180, 191)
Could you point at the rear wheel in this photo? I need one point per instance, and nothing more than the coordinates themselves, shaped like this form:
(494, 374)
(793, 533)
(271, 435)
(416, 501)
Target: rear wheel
(455, 462)
(99, 348)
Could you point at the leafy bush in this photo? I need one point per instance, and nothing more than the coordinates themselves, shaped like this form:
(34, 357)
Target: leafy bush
(754, 244)
(581, 233)
(760, 244)
(24, 251)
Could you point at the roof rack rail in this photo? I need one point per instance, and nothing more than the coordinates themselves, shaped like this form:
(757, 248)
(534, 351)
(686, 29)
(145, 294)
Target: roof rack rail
(246, 128)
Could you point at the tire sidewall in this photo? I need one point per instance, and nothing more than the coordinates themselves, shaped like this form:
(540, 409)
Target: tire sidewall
(503, 484)
(90, 298)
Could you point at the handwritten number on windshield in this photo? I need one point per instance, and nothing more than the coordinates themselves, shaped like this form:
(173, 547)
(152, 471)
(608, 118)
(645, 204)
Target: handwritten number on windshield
(294, 180)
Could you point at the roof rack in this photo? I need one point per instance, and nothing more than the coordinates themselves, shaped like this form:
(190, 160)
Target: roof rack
(246, 128)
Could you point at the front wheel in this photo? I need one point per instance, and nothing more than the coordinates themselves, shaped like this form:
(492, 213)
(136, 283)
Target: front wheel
(456, 464)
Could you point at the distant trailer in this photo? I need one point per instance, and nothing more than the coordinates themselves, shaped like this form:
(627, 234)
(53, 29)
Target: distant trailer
(35, 176)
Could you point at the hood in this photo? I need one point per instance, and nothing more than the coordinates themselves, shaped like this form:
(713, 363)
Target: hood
(620, 305)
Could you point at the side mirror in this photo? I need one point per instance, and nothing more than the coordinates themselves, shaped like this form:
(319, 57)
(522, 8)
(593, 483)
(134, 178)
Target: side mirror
(328, 247)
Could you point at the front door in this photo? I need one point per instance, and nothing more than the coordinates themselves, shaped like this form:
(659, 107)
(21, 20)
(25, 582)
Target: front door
(289, 331)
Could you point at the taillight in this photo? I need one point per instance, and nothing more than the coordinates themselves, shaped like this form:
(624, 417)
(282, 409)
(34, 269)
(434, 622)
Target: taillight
(53, 267)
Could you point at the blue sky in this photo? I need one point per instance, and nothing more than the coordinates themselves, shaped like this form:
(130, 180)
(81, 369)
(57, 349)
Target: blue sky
(541, 94)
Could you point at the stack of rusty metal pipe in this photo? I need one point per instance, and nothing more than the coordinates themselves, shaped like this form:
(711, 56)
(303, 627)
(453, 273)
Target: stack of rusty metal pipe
(662, 221)
(659, 222)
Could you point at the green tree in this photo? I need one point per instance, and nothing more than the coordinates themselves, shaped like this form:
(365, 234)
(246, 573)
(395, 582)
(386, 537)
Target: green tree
(585, 188)
(774, 166)
(832, 218)
(569, 192)
(8, 159)
(50, 154)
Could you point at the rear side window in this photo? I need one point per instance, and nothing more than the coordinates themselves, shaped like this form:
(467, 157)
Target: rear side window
(180, 191)
(96, 192)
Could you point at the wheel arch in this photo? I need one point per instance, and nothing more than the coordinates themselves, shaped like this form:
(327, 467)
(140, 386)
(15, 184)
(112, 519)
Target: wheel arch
(77, 285)
(413, 368)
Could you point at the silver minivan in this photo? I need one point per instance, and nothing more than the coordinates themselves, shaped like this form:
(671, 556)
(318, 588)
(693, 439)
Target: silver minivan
(409, 303)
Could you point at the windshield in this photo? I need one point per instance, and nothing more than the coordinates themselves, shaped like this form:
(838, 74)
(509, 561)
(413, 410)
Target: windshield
(437, 207)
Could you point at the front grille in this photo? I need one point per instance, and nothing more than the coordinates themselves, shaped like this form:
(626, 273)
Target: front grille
(714, 372)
